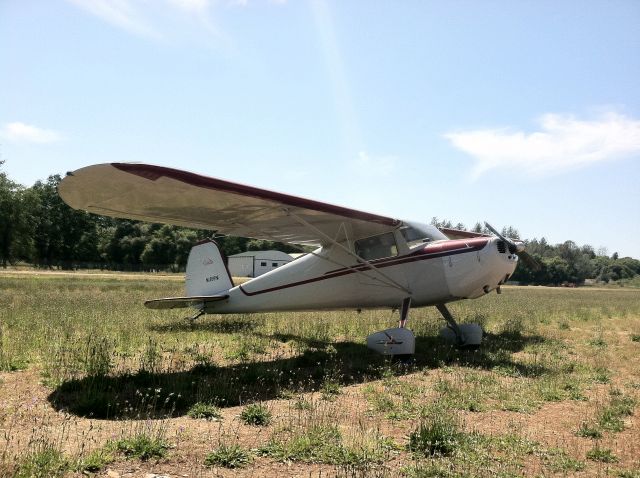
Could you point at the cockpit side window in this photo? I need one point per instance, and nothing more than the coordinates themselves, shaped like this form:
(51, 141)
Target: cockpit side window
(420, 235)
(377, 247)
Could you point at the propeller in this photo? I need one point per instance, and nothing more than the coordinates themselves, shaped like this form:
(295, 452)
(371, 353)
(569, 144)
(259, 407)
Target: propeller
(517, 248)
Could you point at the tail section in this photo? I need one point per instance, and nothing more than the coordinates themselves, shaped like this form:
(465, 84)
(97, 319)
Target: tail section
(207, 273)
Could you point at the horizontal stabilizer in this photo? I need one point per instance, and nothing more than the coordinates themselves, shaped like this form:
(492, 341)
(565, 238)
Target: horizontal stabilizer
(180, 302)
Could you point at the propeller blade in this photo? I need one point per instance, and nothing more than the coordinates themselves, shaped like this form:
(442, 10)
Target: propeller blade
(529, 260)
(518, 249)
(513, 247)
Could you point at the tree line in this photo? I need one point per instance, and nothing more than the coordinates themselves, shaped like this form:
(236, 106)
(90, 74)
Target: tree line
(38, 228)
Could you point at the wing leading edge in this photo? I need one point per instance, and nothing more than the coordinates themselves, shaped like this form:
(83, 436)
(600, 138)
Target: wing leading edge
(170, 196)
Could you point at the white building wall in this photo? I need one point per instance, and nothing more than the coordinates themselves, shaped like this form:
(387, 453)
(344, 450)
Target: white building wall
(254, 264)
(241, 266)
(265, 265)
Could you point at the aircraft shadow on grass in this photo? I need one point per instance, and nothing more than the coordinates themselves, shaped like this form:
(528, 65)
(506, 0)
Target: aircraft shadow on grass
(145, 394)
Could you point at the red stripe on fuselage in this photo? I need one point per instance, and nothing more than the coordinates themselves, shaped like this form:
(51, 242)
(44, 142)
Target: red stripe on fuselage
(432, 251)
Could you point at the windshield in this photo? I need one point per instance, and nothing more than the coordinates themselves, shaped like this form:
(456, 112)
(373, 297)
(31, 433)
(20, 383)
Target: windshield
(416, 234)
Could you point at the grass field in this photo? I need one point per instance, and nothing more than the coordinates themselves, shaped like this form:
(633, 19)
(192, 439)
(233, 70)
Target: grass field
(92, 382)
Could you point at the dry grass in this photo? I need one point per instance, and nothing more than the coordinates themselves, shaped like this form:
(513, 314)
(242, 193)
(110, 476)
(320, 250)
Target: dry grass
(92, 381)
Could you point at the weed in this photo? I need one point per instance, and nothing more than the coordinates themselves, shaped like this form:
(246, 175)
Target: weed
(256, 414)
(317, 443)
(628, 473)
(611, 416)
(228, 456)
(380, 401)
(96, 460)
(604, 455)
(635, 337)
(45, 462)
(602, 375)
(142, 446)
(559, 461)
(302, 404)
(437, 434)
(598, 342)
(320, 443)
(330, 390)
(204, 410)
(588, 430)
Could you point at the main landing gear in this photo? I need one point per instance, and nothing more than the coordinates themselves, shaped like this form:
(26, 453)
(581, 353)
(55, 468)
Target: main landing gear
(397, 341)
(401, 341)
(464, 336)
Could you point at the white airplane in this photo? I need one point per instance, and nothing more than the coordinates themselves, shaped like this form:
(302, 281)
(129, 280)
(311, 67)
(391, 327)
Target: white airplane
(362, 260)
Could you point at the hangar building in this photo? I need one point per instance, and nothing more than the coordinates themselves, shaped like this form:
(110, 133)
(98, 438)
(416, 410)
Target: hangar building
(256, 263)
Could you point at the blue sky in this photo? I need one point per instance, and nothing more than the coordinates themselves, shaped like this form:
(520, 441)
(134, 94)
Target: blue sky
(520, 113)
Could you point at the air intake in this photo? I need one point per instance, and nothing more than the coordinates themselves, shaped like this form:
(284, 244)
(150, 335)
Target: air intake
(502, 247)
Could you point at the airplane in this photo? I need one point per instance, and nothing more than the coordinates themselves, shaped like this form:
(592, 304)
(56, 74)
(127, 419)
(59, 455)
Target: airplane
(360, 261)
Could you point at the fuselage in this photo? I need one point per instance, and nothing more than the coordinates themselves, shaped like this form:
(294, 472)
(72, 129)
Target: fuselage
(332, 278)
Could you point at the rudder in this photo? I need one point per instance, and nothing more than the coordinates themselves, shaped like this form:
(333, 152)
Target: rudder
(207, 273)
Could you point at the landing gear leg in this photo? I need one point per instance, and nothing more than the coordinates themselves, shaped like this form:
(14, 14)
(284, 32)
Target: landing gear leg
(466, 335)
(404, 312)
(197, 315)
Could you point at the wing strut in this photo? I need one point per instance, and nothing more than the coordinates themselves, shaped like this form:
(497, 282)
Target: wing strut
(385, 278)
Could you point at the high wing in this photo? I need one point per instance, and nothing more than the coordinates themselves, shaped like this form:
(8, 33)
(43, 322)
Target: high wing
(460, 234)
(170, 196)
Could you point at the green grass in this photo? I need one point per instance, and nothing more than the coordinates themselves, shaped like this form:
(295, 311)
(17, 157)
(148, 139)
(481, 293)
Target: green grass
(228, 456)
(103, 355)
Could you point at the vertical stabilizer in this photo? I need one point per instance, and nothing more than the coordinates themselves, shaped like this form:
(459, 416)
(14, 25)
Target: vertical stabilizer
(207, 273)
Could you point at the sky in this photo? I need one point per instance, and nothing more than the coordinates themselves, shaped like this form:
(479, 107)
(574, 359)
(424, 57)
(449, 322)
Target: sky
(524, 114)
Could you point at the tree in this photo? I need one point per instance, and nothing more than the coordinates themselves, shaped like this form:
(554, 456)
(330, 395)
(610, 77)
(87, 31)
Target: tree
(61, 234)
(13, 224)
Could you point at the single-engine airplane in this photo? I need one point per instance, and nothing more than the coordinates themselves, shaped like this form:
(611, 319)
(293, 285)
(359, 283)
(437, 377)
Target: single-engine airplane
(361, 260)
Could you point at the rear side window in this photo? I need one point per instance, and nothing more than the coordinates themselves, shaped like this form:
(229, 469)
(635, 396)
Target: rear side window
(377, 247)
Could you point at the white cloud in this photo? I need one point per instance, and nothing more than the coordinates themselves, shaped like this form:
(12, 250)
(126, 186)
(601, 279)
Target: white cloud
(119, 13)
(562, 143)
(26, 133)
(368, 165)
(196, 6)
(158, 20)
